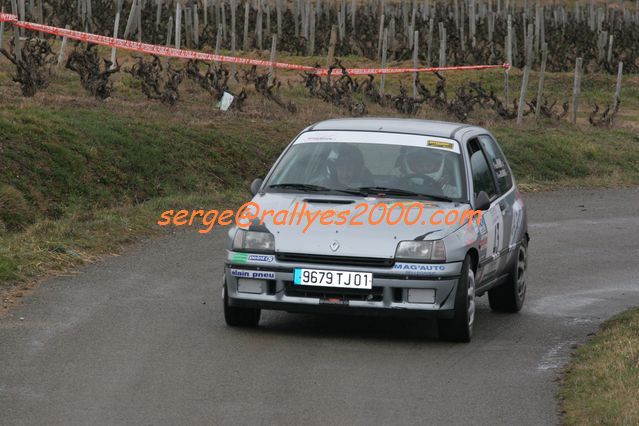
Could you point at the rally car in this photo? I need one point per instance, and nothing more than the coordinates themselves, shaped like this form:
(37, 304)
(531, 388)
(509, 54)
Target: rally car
(419, 263)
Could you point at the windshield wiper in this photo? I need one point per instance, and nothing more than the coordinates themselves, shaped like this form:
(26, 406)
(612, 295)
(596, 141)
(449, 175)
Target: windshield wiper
(401, 193)
(315, 188)
(302, 186)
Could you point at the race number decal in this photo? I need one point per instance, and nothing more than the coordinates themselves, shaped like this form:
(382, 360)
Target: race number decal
(518, 218)
(492, 241)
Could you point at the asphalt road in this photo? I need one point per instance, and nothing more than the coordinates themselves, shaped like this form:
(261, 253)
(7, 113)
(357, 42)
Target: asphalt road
(140, 338)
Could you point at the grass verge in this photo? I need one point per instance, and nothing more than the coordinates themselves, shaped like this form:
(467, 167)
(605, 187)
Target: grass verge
(51, 246)
(601, 385)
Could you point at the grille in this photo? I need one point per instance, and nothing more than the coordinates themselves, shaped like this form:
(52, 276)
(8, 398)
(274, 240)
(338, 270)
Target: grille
(376, 294)
(335, 260)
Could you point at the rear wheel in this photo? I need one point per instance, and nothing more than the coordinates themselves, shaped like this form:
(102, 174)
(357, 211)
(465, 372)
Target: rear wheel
(460, 327)
(240, 317)
(510, 296)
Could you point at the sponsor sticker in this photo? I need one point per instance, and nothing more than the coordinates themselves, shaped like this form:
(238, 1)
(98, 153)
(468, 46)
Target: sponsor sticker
(239, 258)
(440, 144)
(418, 268)
(245, 257)
(241, 273)
(268, 258)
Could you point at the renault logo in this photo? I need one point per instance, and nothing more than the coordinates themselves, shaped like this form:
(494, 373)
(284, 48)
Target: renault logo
(334, 245)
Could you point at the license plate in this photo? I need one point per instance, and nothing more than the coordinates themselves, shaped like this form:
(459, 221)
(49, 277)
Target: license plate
(336, 279)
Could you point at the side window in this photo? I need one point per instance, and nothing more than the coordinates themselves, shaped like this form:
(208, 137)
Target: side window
(482, 176)
(498, 162)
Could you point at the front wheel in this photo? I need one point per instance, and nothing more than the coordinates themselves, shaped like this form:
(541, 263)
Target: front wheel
(460, 327)
(240, 317)
(510, 296)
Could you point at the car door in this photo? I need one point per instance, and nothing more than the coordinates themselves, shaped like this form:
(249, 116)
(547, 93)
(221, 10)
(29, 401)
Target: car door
(507, 200)
(491, 226)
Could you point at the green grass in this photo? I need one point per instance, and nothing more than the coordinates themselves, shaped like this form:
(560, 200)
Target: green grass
(75, 183)
(80, 235)
(559, 156)
(58, 158)
(601, 384)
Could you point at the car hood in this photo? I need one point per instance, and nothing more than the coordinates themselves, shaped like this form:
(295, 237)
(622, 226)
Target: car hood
(366, 240)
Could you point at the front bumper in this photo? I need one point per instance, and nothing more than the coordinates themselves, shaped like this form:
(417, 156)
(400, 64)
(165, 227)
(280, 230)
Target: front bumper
(273, 287)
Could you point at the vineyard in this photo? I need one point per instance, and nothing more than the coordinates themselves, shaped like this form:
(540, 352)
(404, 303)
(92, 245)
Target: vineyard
(459, 32)
(532, 36)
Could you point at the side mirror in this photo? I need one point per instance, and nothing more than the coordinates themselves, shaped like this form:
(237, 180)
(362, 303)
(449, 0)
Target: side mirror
(482, 202)
(256, 185)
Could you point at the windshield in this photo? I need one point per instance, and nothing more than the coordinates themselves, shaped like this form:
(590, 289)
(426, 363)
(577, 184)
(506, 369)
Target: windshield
(370, 169)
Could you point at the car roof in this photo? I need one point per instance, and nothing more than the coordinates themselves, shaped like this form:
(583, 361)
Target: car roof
(442, 129)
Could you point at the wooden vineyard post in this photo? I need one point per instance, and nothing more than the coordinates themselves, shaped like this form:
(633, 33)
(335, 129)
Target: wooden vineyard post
(278, 11)
(472, 21)
(188, 23)
(115, 32)
(506, 89)
(381, 37)
(218, 40)
(196, 26)
(384, 50)
(130, 20)
(609, 56)
(158, 15)
(442, 45)
(178, 25)
(542, 71)
(330, 58)
(462, 34)
(169, 33)
(63, 46)
(138, 20)
(233, 39)
(615, 99)
(415, 53)
(429, 48)
(522, 94)
(205, 11)
(2, 31)
(311, 37)
(245, 41)
(22, 16)
(223, 17)
(271, 71)
(576, 89)
(509, 61)
(258, 25)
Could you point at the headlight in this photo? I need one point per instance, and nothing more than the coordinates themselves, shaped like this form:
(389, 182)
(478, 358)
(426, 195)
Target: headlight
(421, 251)
(253, 241)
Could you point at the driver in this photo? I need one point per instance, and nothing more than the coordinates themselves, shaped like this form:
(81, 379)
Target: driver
(421, 163)
(349, 167)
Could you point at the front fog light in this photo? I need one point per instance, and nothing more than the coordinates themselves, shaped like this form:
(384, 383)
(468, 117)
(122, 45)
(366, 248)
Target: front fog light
(421, 251)
(245, 285)
(421, 295)
(253, 241)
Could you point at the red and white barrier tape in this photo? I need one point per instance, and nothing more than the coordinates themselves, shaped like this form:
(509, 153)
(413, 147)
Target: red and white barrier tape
(171, 52)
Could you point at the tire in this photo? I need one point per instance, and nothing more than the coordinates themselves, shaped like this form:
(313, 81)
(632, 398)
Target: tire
(240, 317)
(510, 296)
(460, 327)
